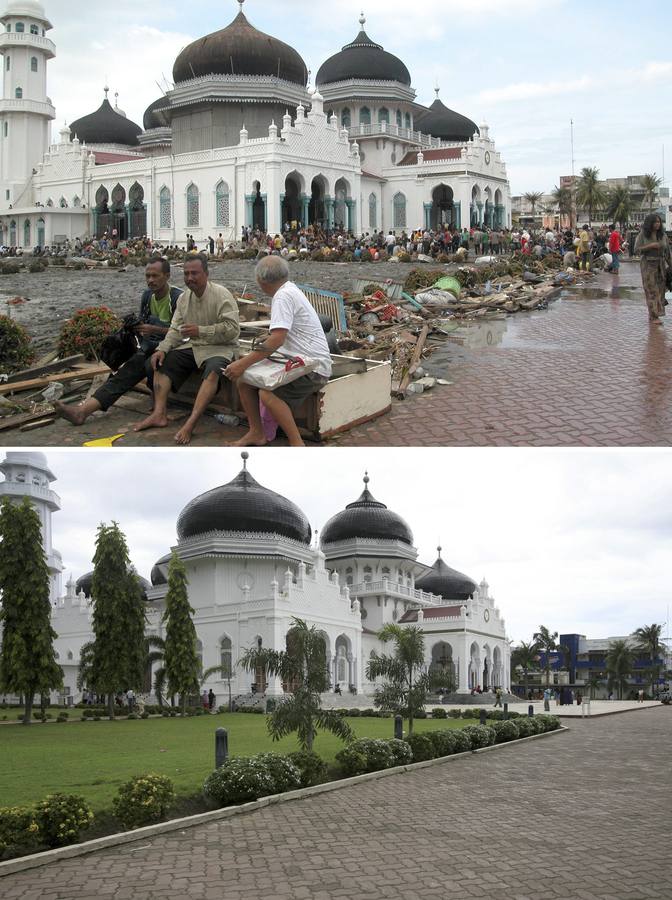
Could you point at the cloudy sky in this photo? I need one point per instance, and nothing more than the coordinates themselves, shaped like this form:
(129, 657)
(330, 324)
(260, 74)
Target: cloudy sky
(575, 540)
(527, 69)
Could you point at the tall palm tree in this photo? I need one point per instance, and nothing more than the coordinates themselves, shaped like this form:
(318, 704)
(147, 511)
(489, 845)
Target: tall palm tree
(156, 648)
(590, 194)
(648, 641)
(526, 657)
(533, 197)
(619, 665)
(547, 642)
(304, 666)
(620, 204)
(651, 183)
(593, 683)
(563, 198)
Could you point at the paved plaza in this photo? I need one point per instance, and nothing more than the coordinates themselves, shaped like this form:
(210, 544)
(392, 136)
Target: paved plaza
(581, 815)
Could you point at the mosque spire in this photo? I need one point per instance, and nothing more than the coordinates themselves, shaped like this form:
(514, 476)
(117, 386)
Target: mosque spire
(241, 4)
(244, 455)
(362, 19)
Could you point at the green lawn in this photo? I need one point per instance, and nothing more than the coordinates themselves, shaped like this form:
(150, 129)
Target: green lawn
(94, 758)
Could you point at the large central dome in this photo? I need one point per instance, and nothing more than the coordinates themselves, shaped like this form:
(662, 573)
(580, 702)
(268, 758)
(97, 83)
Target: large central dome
(243, 505)
(363, 60)
(240, 49)
(366, 518)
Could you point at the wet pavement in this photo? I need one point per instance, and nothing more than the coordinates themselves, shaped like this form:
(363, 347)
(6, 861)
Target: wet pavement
(581, 815)
(588, 371)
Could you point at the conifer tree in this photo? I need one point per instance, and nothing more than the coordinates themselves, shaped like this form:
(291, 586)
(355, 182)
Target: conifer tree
(181, 660)
(118, 657)
(27, 661)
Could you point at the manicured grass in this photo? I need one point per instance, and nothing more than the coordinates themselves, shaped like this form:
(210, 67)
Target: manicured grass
(94, 758)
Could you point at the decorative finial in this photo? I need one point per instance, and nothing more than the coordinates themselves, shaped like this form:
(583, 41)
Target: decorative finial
(439, 548)
(244, 455)
(366, 478)
(362, 19)
(240, 3)
(107, 91)
(437, 90)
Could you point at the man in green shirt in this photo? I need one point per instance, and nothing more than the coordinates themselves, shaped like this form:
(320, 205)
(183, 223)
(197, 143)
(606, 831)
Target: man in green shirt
(156, 312)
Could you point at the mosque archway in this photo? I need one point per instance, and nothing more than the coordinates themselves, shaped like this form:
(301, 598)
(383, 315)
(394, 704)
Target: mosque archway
(476, 206)
(258, 207)
(486, 675)
(118, 212)
(341, 206)
(101, 214)
(488, 209)
(26, 233)
(12, 233)
(343, 659)
(497, 672)
(291, 202)
(317, 213)
(499, 209)
(443, 213)
(442, 663)
(40, 233)
(137, 211)
(474, 667)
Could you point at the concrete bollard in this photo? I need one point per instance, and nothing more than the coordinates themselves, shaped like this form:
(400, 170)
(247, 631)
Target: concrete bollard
(483, 717)
(506, 711)
(530, 710)
(399, 728)
(221, 747)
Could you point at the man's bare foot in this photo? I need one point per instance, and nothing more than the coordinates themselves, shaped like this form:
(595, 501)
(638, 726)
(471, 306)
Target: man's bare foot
(73, 414)
(183, 436)
(154, 421)
(251, 439)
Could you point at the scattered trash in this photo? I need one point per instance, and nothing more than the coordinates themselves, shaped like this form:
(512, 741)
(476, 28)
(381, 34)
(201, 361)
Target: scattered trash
(104, 442)
(228, 420)
(54, 392)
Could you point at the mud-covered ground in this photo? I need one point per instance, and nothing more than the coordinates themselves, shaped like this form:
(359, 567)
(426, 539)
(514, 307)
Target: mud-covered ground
(57, 293)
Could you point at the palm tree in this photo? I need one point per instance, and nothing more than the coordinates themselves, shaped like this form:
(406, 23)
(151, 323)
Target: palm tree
(156, 648)
(590, 194)
(648, 641)
(651, 183)
(593, 683)
(620, 204)
(408, 683)
(564, 200)
(547, 642)
(304, 666)
(533, 197)
(619, 665)
(526, 657)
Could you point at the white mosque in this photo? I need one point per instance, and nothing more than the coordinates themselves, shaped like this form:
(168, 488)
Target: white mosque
(239, 139)
(253, 565)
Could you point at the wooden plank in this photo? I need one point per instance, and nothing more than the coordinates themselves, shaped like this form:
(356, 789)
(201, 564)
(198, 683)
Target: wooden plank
(46, 368)
(415, 361)
(35, 383)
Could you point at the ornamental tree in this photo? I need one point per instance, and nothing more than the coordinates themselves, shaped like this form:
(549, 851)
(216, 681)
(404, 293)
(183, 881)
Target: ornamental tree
(27, 660)
(118, 657)
(181, 663)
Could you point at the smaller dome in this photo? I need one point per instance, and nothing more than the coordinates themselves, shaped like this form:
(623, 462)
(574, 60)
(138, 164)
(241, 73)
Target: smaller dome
(446, 582)
(363, 60)
(446, 124)
(86, 581)
(152, 117)
(158, 576)
(31, 8)
(366, 518)
(106, 126)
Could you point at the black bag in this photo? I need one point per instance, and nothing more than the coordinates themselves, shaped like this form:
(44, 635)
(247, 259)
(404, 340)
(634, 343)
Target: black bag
(668, 280)
(119, 347)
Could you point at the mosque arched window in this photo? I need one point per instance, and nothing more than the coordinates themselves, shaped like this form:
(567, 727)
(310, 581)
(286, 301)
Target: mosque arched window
(26, 233)
(408, 121)
(50, 203)
(346, 118)
(165, 208)
(373, 211)
(365, 116)
(18, 93)
(400, 119)
(76, 202)
(223, 203)
(8, 63)
(63, 203)
(20, 27)
(368, 574)
(383, 115)
(399, 208)
(33, 64)
(193, 207)
(226, 657)
(34, 29)
(9, 27)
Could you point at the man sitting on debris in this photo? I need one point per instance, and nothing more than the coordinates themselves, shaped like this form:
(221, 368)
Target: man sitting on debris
(156, 311)
(203, 337)
(296, 331)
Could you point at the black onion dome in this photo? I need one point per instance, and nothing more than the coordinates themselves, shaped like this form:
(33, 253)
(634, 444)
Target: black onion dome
(366, 518)
(446, 582)
(153, 118)
(363, 60)
(86, 581)
(105, 126)
(446, 124)
(243, 505)
(157, 576)
(240, 49)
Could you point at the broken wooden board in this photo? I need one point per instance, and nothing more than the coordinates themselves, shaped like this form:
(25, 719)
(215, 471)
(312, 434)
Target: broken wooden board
(35, 383)
(47, 368)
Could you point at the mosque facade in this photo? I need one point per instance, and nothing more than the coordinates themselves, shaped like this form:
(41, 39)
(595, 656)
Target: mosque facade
(240, 139)
(254, 564)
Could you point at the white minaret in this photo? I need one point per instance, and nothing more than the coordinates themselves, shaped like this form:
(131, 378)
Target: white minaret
(26, 111)
(28, 475)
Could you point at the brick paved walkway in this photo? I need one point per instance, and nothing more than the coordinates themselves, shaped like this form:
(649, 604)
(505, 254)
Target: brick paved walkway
(583, 815)
(589, 371)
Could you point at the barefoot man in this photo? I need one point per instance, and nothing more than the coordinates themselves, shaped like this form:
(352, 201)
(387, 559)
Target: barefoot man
(203, 337)
(295, 331)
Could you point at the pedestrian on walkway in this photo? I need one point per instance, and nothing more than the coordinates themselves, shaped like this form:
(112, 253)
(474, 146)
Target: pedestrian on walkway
(653, 247)
(498, 697)
(547, 700)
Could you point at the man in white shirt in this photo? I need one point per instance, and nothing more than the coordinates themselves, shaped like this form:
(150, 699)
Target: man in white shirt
(295, 331)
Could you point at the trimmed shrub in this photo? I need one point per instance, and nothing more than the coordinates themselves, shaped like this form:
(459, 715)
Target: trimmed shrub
(61, 818)
(443, 742)
(480, 736)
(312, 768)
(19, 832)
(505, 731)
(353, 713)
(422, 747)
(461, 740)
(439, 713)
(421, 714)
(143, 800)
(16, 351)
(454, 713)
(377, 755)
(352, 761)
(86, 331)
(62, 717)
(550, 723)
(286, 776)
(238, 781)
(401, 751)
